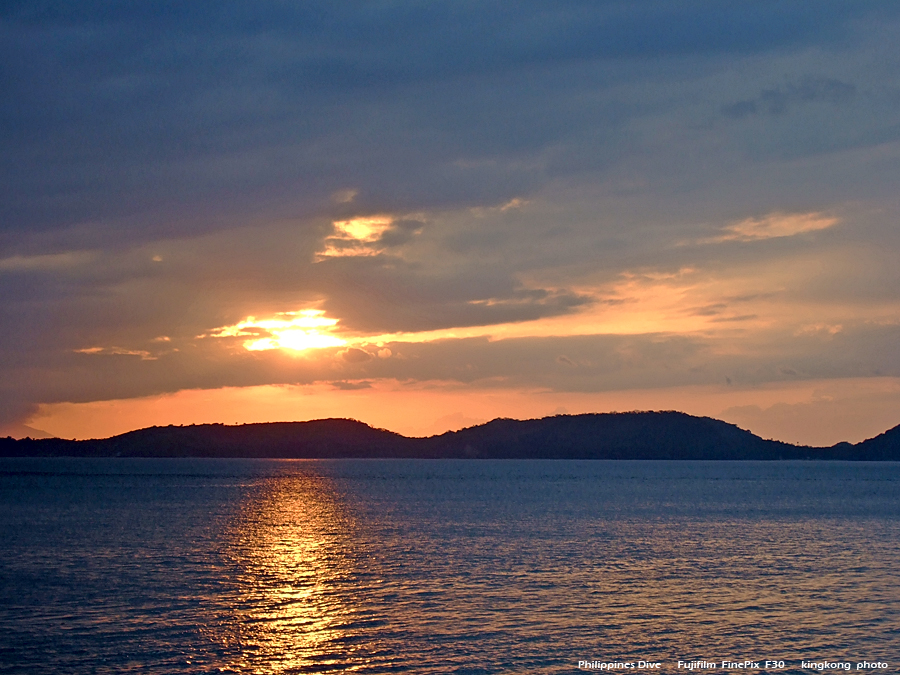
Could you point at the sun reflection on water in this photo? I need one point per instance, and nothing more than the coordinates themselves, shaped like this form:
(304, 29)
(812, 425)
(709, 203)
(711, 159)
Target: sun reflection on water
(294, 559)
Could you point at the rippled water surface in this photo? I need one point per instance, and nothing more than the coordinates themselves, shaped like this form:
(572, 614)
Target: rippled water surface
(208, 566)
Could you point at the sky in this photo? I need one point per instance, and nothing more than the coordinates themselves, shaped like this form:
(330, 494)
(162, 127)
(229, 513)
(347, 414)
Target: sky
(425, 215)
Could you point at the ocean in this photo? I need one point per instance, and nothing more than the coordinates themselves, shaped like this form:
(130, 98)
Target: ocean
(406, 566)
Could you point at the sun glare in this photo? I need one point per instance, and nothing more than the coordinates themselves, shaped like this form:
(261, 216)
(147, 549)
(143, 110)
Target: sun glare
(363, 229)
(295, 331)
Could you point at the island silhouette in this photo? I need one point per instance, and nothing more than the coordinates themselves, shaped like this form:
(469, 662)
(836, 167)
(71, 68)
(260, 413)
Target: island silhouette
(662, 435)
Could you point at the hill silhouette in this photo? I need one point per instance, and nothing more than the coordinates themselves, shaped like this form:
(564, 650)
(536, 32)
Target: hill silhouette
(885, 446)
(633, 435)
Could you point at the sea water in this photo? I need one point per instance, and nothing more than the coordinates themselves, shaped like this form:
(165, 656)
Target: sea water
(379, 566)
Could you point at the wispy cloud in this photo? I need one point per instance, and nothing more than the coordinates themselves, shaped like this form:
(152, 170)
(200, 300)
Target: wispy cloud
(117, 351)
(47, 262)
(773, 226)
(365, 236)
(779, 100)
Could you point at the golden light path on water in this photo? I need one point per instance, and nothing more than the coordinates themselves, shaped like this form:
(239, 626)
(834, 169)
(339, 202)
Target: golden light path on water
(293, 551)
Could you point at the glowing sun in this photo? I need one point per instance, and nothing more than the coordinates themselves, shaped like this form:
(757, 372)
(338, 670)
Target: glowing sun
(295, 331)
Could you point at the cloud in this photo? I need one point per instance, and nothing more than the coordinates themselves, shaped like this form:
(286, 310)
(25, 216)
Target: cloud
(772, 226)
(344, 196)
(368, 236)
(400, 232)
(380, 294)
(113, 313)
(118, 351)
(224, 111)
(343, 385)
(355, 355)
(355, 237)
(37, 263)
(778, 100)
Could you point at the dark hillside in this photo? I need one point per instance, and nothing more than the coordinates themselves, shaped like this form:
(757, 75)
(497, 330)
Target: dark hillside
(635, 435)
(885, 446)
(644, 435)
(316, 439)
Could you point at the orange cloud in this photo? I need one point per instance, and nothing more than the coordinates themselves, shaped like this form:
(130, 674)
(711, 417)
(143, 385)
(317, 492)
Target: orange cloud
(118, 351)
(773, 226)
(356, 237)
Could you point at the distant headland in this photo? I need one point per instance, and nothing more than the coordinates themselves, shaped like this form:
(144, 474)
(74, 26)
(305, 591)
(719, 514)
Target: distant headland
(631, 435)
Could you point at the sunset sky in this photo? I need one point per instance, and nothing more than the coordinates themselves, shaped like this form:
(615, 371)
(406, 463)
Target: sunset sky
(425, 215)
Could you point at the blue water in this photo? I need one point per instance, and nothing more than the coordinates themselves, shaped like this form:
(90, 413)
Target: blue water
(249, 566)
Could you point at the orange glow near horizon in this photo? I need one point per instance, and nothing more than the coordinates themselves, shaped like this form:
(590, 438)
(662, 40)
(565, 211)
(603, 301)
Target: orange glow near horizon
(736, 310)
(819, 412)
